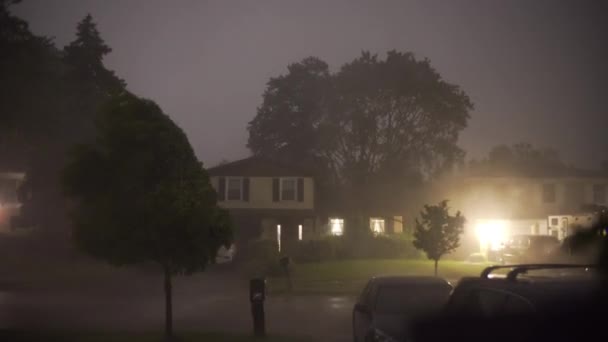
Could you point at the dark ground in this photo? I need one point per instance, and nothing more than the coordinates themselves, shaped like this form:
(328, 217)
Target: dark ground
(215, 301)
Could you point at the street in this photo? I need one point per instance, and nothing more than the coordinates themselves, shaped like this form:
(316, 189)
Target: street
(204, 304)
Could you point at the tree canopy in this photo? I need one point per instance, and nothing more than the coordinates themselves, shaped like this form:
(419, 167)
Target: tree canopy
(519, 159)
(69, 87)
(140, 194)
(373, 119)
(437, 232)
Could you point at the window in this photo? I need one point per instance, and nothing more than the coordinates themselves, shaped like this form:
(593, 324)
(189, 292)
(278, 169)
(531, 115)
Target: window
(279, 237)
(549, 193)
(234, 189)
(554, 221)
(336, 226)
(288, 189)
(376, 225)
(494, 303)
(599, 193)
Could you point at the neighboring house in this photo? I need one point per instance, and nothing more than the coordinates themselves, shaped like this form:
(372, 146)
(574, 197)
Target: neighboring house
(499, 207)
(267, 199)
(10, 205)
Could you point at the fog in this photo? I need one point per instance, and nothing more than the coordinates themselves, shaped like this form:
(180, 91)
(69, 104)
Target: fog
(302, 170)
(534, 70)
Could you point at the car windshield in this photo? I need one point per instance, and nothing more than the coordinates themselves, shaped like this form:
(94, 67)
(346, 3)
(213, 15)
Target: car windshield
(408, 299)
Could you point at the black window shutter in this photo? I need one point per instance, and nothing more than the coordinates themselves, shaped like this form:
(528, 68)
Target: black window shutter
(246, 189)
(222, 189)
(300, 189)
(275, 189)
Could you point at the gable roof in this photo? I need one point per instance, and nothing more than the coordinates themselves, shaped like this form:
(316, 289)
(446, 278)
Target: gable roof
(257, 166)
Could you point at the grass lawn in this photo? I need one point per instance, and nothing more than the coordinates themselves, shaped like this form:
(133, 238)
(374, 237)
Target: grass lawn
(349, 276)
(136, 337)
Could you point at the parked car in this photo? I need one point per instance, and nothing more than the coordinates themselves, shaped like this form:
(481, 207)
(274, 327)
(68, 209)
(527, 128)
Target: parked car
(387, 304)
(528, 249)
(524, 289)
(529, 303)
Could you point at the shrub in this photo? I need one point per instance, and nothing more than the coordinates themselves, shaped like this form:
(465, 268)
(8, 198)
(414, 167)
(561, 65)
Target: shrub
(261, 258)
(258, 250)
(351, 247)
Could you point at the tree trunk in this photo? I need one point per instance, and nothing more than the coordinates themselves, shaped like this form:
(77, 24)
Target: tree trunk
(436, 261)
(168, 307)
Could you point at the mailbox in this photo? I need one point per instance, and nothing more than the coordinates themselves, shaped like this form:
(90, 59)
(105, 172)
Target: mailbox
(257, 290)
(257, 295)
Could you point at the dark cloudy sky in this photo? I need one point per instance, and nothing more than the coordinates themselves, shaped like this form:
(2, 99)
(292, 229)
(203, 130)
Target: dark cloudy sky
(536, 70)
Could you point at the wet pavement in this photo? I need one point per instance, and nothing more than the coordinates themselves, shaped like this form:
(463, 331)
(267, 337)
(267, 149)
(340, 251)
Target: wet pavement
(214, 306)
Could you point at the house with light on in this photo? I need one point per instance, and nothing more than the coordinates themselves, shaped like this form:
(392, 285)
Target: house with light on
(267, 199)
(274, 200)
(498, 207)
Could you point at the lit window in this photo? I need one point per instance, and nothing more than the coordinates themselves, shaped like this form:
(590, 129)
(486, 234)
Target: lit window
(376, 225)
(288, 189)
(336, 226)
(549, 193)
(279, 236)
(300, 232)
(234, 189)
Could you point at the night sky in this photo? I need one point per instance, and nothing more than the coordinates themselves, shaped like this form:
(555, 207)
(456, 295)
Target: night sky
(536, 70)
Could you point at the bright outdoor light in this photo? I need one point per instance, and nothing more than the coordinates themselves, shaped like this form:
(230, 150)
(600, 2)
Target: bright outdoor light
(491, 233)
(336, 226)
(279, 236)
(300, 232)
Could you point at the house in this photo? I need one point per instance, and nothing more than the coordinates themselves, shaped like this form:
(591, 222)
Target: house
(376, 207)
(499, 206)
(267, 199)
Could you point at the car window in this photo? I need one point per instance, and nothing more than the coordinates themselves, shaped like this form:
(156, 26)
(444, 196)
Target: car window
(491, 303)
(405, 299)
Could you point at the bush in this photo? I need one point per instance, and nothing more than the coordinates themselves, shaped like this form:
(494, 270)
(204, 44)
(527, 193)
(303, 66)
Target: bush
(258, 250)
(350, 247)
(261, 258)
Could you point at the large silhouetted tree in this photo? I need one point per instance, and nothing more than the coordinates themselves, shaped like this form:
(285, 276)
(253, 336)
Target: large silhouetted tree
(372, 119)
(68, 89)
(437, 232)
(141, 194)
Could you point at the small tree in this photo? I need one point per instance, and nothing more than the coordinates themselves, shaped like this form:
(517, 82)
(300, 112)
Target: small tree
(438, 233)
(142, 195)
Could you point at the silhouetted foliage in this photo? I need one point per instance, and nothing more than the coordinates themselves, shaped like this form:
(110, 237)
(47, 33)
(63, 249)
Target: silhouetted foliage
(372, 119)
(141, 195)
(68, 88)
(437, 233)
(519, 159)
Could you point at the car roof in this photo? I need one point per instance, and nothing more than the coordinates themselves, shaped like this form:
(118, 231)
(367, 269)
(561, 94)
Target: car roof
(403, 280)
(533, 288)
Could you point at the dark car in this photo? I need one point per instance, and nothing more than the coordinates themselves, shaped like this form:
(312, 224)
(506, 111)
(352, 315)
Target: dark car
(528, 249)
(524, 304)
(387, 304)
(524, 289)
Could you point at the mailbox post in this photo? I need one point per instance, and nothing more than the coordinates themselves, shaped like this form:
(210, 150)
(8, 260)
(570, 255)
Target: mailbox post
(257, 296)
(286, 265)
